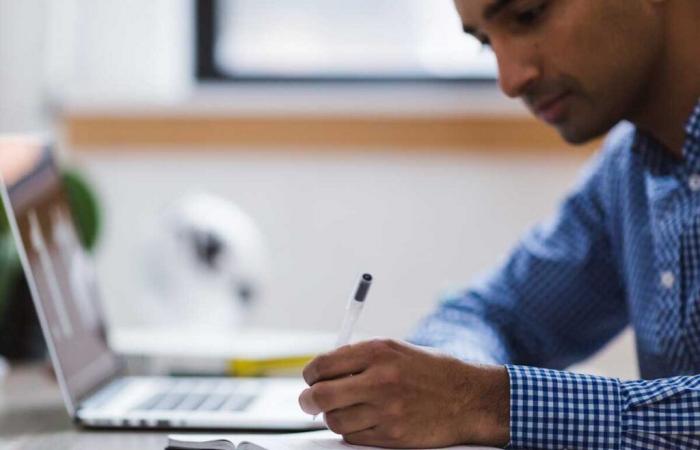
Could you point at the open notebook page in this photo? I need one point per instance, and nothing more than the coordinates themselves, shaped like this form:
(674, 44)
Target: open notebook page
(315, 440)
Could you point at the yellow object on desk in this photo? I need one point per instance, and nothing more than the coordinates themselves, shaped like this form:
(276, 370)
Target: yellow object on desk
(267, 367)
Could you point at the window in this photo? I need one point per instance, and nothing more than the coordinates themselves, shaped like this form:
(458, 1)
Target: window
(336, 40)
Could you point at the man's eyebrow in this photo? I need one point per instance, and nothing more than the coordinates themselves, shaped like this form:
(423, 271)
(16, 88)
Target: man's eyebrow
(494, 8)
(489, 13)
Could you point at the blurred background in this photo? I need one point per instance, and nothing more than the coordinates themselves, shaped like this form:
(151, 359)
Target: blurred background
(359, 136)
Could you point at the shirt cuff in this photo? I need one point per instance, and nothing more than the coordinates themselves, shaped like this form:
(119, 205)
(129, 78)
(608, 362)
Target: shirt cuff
(551, 409)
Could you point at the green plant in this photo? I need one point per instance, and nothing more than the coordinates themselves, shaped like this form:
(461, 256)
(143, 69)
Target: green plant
(9, 265)
(83, 203)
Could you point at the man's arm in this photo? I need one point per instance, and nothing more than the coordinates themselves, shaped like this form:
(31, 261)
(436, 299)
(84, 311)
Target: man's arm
(552, 409)
(557, 299)
(404, 396)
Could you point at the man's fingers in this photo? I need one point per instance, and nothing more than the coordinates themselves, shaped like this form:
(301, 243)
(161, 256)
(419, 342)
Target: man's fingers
(334, 394)
(352, 418)
(346, 360)
(396, 435)
(307, 402)
(369, 436)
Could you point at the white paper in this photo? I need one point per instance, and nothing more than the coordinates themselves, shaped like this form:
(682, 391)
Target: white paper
(314, 440)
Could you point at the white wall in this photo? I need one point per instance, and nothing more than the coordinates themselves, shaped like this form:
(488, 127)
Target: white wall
(122, 51)
(106, 51)
(421, 223)
(22, 69)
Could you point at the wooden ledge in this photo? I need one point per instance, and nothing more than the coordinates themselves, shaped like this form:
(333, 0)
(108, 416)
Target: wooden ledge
(90, 132)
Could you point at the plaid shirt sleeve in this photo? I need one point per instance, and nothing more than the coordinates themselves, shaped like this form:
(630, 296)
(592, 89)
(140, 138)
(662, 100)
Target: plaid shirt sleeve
(552, 409)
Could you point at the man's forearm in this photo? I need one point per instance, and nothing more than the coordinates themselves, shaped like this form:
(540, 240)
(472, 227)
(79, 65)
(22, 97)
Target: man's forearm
(493, 411)
(551, 409)
(391, 394)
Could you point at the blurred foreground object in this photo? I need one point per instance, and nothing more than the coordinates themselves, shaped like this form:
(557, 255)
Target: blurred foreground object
(20, 334)
(204, 264)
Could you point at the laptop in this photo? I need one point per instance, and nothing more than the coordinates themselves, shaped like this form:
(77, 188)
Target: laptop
(95, 388)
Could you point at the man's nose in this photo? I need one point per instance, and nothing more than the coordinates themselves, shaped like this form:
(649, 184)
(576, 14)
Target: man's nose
(516, 73)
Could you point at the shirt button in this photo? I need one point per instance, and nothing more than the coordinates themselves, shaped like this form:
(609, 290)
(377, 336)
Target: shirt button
(667, 279)
(694, 182)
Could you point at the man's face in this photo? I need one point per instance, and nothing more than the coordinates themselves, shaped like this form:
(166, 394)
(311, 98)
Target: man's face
(579, 65)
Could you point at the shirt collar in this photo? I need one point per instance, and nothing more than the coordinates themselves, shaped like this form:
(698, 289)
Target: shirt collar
(658, 160)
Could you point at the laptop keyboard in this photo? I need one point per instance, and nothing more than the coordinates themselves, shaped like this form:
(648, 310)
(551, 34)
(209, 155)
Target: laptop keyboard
(201, 395)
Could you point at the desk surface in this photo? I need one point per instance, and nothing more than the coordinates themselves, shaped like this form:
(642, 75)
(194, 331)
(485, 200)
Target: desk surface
(32, 416)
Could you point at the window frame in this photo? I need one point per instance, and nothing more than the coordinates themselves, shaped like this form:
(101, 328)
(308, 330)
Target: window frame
(206, 69)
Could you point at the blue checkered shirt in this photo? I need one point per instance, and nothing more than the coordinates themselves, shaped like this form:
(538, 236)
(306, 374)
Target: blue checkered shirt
(624, 248)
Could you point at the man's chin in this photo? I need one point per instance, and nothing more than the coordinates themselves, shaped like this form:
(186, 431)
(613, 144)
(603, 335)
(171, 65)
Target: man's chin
(580, 135)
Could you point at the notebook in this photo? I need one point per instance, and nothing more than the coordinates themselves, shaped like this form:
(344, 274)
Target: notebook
(314, 440)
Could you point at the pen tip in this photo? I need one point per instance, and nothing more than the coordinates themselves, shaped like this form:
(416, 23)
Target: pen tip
(363, 287)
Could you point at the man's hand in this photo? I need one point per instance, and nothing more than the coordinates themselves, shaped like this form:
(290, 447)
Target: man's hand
(393, 394)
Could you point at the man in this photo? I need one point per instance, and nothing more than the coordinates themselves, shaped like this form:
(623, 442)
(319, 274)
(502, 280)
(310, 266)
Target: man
(623, 249)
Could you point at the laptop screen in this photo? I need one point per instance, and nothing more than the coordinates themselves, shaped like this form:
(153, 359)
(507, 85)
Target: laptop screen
(57, 268)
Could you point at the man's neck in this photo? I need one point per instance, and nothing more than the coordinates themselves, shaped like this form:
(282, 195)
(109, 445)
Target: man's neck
(675, 89)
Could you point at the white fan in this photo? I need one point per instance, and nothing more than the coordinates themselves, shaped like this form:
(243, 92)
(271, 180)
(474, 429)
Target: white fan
(204, 263)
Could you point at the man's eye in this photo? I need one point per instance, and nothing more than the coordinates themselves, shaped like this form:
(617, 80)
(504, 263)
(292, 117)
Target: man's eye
(530, 16)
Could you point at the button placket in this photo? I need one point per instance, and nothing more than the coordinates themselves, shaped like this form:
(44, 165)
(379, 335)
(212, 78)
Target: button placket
(668, 279)
(667, 244)
(694, 182)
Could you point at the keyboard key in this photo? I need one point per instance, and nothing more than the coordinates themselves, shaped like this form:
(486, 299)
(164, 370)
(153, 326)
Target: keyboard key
(213, 402)
(151, 402)
(169, 402)
(192, 402)
(237, 402)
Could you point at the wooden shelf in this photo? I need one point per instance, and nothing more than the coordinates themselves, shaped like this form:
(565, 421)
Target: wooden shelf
(467, 133)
